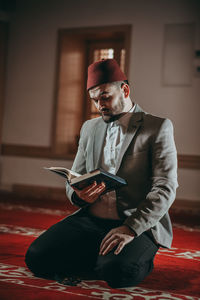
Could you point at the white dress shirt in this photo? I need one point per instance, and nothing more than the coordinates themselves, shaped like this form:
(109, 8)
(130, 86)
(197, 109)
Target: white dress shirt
(105, 207)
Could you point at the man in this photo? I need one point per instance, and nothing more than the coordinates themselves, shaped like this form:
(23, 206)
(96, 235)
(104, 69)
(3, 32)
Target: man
(115, 235)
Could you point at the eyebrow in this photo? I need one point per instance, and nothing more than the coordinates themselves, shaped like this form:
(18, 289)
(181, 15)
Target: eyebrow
(104, 92)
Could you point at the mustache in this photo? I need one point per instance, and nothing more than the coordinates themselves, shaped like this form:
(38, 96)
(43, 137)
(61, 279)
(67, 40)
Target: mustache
(104, 110)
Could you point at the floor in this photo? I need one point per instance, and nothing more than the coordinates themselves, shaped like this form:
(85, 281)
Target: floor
(176, 274)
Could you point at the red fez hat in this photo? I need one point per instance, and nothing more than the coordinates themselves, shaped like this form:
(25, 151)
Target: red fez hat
(104, 71)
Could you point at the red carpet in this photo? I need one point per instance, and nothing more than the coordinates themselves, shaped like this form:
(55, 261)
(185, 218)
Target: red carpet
(176, 274)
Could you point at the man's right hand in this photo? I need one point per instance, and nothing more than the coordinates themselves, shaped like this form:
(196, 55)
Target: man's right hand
(92, 192)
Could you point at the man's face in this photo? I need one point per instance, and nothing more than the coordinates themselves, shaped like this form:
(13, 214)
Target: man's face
(109, 100)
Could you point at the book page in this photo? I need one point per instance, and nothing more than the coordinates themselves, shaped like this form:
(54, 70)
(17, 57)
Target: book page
(64, 172)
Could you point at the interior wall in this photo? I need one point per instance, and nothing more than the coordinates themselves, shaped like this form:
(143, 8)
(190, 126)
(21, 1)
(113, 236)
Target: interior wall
(31, 76)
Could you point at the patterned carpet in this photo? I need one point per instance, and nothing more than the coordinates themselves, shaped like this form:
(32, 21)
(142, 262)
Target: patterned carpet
(176, 274)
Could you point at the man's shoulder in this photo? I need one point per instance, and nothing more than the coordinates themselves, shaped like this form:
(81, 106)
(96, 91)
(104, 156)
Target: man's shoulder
(155, 125)
(90, 125)
(152, 121)
(92, 122)
(156, 120)
(151, 118)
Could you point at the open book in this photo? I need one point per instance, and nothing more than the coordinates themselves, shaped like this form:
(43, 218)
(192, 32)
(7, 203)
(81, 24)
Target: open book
(78, 181)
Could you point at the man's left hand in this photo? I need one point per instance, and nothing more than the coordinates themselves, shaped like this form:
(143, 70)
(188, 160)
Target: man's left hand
(119, 236)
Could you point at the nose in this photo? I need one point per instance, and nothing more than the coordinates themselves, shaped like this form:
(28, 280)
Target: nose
(101, 104)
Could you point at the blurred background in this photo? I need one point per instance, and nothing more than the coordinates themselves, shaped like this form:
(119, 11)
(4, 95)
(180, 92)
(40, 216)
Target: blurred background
(45, 48)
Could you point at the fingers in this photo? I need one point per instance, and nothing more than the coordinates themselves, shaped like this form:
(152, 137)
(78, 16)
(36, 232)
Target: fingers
(96, 189)
(109, 234)
(92, 192)
(108, 245)
(109, 242)
(117, 237)
(86, 189)
(94, 195)
(120, 247)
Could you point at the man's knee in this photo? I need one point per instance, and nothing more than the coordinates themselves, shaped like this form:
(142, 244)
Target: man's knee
(32, 257)
(121, 275)
(36, 261)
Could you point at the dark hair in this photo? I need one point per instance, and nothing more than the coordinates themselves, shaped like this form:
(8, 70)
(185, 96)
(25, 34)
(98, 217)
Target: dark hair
(126, 81)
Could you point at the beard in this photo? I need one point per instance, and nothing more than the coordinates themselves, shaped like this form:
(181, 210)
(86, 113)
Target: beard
(111, 115)
(110, 118)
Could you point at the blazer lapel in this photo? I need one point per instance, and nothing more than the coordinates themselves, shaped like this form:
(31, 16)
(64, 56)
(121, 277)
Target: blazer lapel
(134, 125)
(100, 133)
(99, 136)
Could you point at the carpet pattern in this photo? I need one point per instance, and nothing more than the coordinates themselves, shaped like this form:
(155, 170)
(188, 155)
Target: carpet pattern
(176, 274)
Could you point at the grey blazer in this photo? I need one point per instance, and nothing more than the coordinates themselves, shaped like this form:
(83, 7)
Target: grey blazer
(148, 161)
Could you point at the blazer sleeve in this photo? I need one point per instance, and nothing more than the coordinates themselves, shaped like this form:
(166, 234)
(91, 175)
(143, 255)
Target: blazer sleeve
(164, 182)
(79, 166)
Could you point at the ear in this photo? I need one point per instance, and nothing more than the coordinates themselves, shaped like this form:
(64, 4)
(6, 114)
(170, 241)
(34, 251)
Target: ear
(126, 90)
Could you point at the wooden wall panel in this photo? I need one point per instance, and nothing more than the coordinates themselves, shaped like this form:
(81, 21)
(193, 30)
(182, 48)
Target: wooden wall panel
(3, 56)
(184, 161)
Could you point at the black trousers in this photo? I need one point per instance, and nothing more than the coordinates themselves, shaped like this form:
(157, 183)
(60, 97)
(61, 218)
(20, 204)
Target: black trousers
(71, 247)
